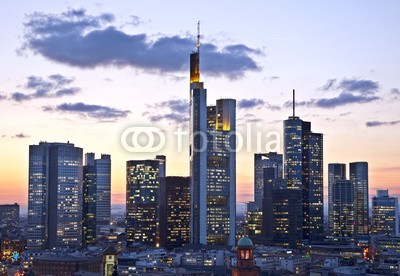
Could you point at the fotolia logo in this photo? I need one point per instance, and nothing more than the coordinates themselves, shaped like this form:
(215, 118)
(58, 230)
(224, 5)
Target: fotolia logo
(153, 139)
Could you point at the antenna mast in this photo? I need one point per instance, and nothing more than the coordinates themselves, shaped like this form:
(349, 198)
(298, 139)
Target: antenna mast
(294, 103)
(198, 36)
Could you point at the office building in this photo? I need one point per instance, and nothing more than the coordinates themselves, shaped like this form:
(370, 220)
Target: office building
(96, 195)
(335, 171)
(9, 215)
(254, 218)
(385, 214)
(55, 196)
(342, 209)
(175, 212)
(212, 163)
(143, 200)
(303, 170)
(359, 178)
(261, 161)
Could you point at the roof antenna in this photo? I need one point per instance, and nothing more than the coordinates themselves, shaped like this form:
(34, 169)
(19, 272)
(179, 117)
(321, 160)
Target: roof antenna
(198, 36)
(294, 103)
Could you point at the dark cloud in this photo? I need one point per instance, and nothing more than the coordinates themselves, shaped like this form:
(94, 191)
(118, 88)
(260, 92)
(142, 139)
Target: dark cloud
(54, 86)
(175, 111)
(256, 103)
(20, 135)
(136, 20)
(344, 114)
(99, 112)
(91, 41)
(395, 91)
(352, 91)
(382, 123)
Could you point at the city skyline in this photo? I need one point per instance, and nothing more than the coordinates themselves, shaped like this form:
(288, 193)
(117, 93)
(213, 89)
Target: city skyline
(327, 90)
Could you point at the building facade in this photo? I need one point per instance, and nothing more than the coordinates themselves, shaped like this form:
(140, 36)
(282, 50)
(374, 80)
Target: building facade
(261, 161)
(9, 215)
(385, 214)
(303, 170)
(96, 195)
(335, 171)
(55, 196)
(143, 200)
(343, 209)
(359, 178)
(175, 212)
(212, 153)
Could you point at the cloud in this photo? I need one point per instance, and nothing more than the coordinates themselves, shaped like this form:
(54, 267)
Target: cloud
(135, 20)
(92, 41)
(351, 91)
(54, 86)
(20, 135)
(99, 112)
(256, 103)
(344, 114)
(382, 123)
(2, 97)
(175, 111)
(395, 91)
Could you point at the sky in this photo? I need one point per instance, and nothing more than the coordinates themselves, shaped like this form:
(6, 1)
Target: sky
(91, 73)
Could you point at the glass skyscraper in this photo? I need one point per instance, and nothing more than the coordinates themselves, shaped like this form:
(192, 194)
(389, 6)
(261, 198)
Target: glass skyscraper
(143, 200)
(359, 178)
(96, 195)
(335, 171)
(342, 209)
(303, 170)
(55, 196)
(212, 164)
(261, 161)
(385, 214)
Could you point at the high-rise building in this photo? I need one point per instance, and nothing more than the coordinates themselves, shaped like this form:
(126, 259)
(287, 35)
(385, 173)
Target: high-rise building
(254, 218)
(385, 214)
(175, 211)
(55, 196)
(143, 200)
(303, 170)
(335, 171)
(96, 195)
(212, 163)
(261, 161)
(359, 178)
(9, 215)
(342, 209)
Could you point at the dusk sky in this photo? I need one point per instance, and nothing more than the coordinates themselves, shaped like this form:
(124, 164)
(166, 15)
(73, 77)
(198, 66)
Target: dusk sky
(79, 72)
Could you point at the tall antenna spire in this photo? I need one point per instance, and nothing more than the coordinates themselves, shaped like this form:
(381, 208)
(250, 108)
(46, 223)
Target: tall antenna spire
(294, 103)
(198, 36)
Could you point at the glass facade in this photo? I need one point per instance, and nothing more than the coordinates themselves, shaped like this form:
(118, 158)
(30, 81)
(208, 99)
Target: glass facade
(385, 214)
(143, 200)
(343, 209)
(55, 196)
(261, 161)
(335, 171)
(9, 215)
(359, 178)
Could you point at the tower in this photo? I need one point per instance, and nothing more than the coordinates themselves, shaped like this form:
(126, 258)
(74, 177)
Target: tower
(303, 169)
(143, 200)
(359, 178)
(55, 196)
(336, 171)
(385, 214)
(245, 259)
(342, 209)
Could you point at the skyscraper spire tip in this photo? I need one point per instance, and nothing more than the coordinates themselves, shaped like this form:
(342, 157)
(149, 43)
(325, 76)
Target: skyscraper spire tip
(294, 102)
(198, 36)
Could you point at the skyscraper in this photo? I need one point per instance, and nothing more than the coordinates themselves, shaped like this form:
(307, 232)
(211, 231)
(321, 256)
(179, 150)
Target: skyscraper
(212, 163)
(261, 161)
(303, 159)
(175, 211)
(385, 214)
(359, 178)
(96, 195)
(55, 196)
(143, 178)
(342, 200)
(335, 171)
